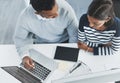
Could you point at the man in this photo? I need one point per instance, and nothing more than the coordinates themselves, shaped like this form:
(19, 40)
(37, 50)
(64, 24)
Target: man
(44, 21)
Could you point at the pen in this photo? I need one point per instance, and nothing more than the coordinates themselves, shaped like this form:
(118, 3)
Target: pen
(114, 68)
(75, 67)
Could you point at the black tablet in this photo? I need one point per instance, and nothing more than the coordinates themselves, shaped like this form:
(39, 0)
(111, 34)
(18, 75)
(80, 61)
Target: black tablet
(66, 53)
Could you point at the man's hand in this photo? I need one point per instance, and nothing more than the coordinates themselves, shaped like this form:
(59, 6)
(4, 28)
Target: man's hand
(28, 62)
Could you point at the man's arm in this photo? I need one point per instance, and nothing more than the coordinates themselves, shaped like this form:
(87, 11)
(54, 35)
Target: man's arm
(22, 40)
(72, 27)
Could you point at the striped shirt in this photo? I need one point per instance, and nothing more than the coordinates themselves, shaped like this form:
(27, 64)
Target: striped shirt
(96, 39)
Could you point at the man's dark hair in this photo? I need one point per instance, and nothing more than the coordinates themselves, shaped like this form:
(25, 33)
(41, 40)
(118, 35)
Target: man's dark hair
(102, 9)
(40, 5)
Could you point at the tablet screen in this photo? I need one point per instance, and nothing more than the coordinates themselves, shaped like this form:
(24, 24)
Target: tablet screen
(66, 53)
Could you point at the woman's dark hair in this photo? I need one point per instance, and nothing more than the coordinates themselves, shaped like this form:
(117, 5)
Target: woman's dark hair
(40, 5)
(116, 5)
(101, 10)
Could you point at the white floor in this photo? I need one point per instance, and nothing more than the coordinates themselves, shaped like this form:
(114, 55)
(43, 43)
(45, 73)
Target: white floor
(9, 12)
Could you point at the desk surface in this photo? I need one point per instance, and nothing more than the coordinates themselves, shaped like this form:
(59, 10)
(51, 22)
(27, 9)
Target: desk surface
(9, 57)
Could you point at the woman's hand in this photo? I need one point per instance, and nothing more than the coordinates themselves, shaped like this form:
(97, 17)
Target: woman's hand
(84, 47)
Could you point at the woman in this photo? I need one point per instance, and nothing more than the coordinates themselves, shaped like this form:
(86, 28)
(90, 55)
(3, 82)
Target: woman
(99, 29)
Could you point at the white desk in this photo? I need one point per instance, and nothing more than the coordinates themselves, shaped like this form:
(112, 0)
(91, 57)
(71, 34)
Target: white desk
(9, 57)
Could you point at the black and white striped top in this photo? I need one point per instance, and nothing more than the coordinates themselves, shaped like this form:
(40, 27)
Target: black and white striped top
(97, 39)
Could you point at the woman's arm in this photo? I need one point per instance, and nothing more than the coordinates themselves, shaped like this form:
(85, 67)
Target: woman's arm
(84, 47)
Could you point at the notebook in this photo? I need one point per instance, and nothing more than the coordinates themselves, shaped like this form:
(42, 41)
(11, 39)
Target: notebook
(66, 53)
(44, 67)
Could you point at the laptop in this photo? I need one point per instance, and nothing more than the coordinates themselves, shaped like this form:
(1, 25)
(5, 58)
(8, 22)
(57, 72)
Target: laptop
(44, 67)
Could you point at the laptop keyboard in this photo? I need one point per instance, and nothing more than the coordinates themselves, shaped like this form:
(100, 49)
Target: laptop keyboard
(21, 74)
(40, 71)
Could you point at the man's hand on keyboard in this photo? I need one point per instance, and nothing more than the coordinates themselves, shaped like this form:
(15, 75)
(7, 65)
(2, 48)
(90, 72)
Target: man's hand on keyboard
(28, 62)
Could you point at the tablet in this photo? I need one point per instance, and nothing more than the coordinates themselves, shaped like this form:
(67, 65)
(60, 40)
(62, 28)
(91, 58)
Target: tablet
(66, 53)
